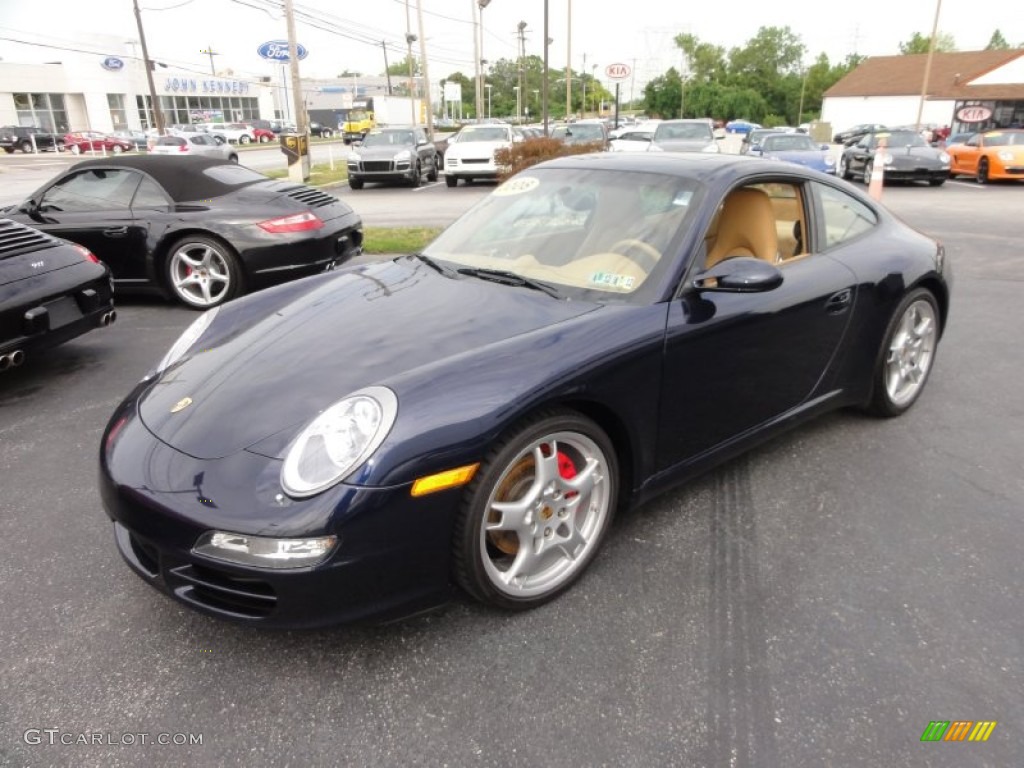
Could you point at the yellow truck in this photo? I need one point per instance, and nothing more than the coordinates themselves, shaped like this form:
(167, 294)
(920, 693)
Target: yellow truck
(356, 123)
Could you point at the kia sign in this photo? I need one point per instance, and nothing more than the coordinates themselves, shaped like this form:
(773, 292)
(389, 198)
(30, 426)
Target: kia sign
(277, 50)
(112, 63)
(973, 114)
(617, 71)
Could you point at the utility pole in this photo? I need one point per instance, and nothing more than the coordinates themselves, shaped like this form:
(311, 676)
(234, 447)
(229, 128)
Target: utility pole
(386, 70)
(158, 115)
(522, 66)
(583, 79)
(211, 53)
(544, 85)
(568, 64)
(410, 38)
(293, 59)
(928, 65)
(426, 75)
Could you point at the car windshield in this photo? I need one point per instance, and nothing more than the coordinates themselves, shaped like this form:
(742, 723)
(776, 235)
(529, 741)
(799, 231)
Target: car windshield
(1000, 139)
(595, 234)
(579, 132)
(900, 139)
(388, 138)
(670, 131)
(789, 142)
(484, 133)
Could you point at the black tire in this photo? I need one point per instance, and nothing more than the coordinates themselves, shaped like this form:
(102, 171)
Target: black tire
(243, 139)
(936, 182)
(844, 168)
(355, 183)
(9, 150)
(117, 149)
(450, 180)
(25, 147)
(869, 166)
(982, 175)
(325, 134)
(915, 353)
(232, 158)
(218, 265)
(417, 176)
(565, 522)
(432, 176)
(60, 146)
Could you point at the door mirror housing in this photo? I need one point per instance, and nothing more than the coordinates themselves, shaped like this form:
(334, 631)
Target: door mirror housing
(739, 274)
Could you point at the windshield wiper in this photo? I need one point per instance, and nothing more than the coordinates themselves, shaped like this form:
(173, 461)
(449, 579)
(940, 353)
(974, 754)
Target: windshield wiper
(443, 269)
(510, 278)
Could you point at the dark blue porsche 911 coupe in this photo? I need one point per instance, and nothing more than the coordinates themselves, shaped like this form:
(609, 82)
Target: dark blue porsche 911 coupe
(599, 328)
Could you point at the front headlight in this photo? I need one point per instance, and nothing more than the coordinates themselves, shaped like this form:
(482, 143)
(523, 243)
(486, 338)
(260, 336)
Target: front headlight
(944, 158)
(354, 158)
(1005, 155)
(338, 440)
(188, 338)
(405, 154)
(710, 148)
(829, 160)
(264, 551)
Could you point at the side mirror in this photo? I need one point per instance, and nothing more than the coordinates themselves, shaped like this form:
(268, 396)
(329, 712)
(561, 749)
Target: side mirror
(739, 274)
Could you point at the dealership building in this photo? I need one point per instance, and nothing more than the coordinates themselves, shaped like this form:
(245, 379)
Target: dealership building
(968, 91)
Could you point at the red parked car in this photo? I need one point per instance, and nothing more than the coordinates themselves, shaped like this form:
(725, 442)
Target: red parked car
(94, 141)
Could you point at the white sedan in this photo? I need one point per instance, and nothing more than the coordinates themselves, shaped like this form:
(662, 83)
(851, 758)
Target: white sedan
(194, 144)
(631, 141)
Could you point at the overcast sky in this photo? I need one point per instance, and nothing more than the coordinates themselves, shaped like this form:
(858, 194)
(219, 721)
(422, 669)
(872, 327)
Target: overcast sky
(638, 32)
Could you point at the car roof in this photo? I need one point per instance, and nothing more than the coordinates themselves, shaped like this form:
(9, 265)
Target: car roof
(708, 168)
(181, 177)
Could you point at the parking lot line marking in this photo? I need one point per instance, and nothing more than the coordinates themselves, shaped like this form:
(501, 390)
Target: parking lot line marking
(969, 184)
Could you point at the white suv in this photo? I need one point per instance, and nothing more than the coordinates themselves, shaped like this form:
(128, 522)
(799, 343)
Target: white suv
(471, 155)
(236, 133)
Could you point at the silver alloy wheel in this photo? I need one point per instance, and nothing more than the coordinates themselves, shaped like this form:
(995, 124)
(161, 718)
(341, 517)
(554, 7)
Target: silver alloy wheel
(910, 353)
(541, 523)
(200, 274)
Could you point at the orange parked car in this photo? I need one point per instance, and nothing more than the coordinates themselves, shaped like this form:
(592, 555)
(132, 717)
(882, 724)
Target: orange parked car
(997, 154)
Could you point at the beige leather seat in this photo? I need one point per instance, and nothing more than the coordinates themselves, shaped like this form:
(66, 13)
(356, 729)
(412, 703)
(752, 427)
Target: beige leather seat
(746, 227)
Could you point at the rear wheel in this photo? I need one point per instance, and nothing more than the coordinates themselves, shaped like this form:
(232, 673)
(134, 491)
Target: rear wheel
(203, 272)
(982, 175)
(905, 358)
(243, 139)
(117, 149)
(450, 180)
(535, 514)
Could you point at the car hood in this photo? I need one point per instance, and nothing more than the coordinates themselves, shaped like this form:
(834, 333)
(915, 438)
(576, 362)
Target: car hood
(383, 153)
(267, 367)
(475, 148)
(685, 145)
(810, 158)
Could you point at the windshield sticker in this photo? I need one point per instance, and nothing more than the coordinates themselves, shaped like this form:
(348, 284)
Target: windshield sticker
(517, 186)
(611, 280)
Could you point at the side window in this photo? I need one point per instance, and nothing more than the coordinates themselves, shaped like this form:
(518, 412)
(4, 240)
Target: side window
(844, 216)
(765, 221)
(150, 196)
(96, 189)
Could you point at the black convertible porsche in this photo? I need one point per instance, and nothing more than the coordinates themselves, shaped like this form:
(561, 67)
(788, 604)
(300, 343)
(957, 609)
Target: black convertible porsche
(595, 331)
(50, 292)
(200, 230)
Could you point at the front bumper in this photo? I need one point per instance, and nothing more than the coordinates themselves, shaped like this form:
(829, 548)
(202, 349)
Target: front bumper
(392, 559)
(915, 173)
(381, 170)
(474, 167)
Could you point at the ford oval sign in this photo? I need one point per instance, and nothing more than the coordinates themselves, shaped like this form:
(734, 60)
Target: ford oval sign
(112, 63)
(277, 50)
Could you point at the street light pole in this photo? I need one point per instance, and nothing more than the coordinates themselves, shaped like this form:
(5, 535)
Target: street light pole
(429, 107)
(478, 46)
(928, 65)
(488, 86)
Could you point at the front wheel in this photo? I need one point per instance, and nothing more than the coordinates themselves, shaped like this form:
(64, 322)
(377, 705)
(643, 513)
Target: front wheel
(117, 149)
(355, 183)
(26, 147)
(906, 354)
(203, 272)
(869, 168)
(450, 180)
(417, 176)
(244, 139)
(535, 514)
(844, 168)
(982, 175)
(432, 176)
(232, 158)
(936, 182)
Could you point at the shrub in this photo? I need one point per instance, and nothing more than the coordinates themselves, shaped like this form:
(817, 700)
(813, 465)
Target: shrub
(523, 154)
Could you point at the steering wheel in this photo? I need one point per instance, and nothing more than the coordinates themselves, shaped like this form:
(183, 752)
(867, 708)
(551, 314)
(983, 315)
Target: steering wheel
(645, 255)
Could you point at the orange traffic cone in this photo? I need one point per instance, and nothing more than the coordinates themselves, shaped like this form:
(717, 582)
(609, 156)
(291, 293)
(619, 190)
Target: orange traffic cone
(877, 180)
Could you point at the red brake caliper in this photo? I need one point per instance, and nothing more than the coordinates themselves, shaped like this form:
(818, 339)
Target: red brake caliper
(567, 469)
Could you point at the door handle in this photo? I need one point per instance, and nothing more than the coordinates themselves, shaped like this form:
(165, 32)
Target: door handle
(838, 302)
(115, 231)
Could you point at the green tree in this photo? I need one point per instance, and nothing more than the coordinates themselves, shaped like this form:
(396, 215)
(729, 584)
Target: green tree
(663, 94)
(705, 62)
(997, 42)
(769, 64)
(400, 68)
(918, 43)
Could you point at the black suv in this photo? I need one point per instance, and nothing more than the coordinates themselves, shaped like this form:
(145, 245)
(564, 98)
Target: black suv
(14, 137)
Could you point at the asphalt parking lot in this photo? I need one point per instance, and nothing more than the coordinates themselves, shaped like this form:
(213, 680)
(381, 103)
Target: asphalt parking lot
(815, 603)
